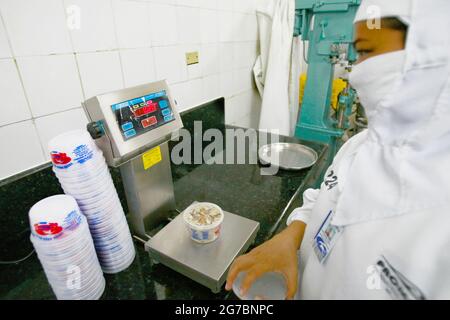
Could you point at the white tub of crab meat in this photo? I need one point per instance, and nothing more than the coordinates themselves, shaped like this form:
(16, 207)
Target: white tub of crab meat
(204, 221)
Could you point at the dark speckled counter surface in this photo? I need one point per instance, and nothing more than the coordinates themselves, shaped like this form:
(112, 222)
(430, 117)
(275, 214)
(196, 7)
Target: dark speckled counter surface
(240, 189)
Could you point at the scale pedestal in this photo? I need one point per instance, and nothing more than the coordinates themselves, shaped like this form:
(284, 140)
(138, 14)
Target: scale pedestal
(149, 192)
(206, 264)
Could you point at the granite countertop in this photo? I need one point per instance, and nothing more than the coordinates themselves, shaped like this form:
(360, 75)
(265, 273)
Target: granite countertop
(240, 189)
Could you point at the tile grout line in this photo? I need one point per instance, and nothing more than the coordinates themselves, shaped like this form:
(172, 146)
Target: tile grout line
(133, 48)
(74, 54)
(116, 36)
(13, 58)
(43, 116)
(149, 9)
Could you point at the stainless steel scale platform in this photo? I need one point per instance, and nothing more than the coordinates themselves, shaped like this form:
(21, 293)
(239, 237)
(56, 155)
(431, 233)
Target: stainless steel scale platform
(205, 263)
(133, 127)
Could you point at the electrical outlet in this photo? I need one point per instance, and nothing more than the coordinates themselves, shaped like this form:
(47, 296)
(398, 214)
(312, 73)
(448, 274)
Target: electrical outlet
(192, 58)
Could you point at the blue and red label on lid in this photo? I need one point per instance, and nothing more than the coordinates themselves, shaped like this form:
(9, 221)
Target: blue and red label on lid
(60, 159)
(47, 228)
(81, 154)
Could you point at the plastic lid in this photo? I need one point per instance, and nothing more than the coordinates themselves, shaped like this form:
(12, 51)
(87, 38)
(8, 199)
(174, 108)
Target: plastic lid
(51, 216)
(207, 226)
(69, 139)
(72, 147)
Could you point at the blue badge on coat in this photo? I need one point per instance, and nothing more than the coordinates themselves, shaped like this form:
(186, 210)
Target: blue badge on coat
(325, 239)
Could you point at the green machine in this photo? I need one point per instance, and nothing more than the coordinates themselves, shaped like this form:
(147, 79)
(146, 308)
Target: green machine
(327, 25)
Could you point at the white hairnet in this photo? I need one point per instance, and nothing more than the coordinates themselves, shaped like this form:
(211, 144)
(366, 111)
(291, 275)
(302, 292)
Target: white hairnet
(407, 144)
(377, 9)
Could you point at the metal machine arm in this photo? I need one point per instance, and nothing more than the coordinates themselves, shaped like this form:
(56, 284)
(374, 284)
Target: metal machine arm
(327, 25)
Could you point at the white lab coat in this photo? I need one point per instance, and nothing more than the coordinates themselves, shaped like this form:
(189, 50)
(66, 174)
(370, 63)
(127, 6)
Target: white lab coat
(277, 69)
(415, 244)
(389, 186)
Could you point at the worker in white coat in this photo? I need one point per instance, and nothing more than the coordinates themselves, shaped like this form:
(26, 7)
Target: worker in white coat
(379, 227)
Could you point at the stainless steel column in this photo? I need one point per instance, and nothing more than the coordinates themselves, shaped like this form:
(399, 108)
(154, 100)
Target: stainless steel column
(149, 193)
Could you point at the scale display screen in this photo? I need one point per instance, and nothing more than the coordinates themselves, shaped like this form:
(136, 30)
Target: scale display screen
(140, 115)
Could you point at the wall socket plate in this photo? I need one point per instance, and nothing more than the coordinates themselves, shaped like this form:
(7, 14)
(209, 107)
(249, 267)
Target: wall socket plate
(192, 58)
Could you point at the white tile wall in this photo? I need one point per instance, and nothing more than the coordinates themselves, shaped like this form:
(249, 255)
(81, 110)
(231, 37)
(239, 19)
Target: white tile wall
(100, 72)
(188, 22)
(52, 125)
(208, 4)
(5, 51)
(97, 30)
(242, 80)
(226, 83)
(188, 94)
(138, 66)
(163, 24)
(21, 148)
(226, 57)
(188, 3)
(48, 67)
(132, 23)
(170, 64)
(226, 28)
(244, 109)
(209, 28)
(244, 27)
(226, 5)
(244, 54)
(30, 32)
(13, 107)
(211, 87)
(51, 83)
(244, 5)
(208, 57)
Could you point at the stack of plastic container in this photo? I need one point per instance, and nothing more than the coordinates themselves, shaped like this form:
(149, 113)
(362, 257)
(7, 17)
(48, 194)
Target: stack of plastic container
(83, 173)
(61, 237)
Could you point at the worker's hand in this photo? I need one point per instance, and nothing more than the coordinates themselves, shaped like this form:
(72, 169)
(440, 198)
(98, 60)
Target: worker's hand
(276, 255)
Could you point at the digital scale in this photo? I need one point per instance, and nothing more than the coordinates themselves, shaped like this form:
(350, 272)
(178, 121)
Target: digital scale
(132, 127)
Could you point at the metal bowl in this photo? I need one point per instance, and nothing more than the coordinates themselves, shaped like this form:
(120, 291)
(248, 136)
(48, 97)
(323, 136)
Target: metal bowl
(288, 156)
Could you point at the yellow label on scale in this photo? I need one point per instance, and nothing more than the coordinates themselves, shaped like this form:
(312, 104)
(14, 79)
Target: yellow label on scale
(152, 157)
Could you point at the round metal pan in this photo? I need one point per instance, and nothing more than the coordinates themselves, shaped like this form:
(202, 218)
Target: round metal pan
(287, 156)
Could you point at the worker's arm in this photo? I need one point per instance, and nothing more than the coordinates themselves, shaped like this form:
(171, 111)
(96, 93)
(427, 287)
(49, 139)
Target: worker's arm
(279, 254)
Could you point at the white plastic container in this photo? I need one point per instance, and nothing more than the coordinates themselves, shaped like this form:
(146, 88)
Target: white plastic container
(65, 248)
(270, 286)
(83, 173)
(73, 150)
(203, 232)
(50, 218)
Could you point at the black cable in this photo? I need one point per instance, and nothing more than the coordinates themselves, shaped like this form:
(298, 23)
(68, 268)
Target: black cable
(18, 261)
